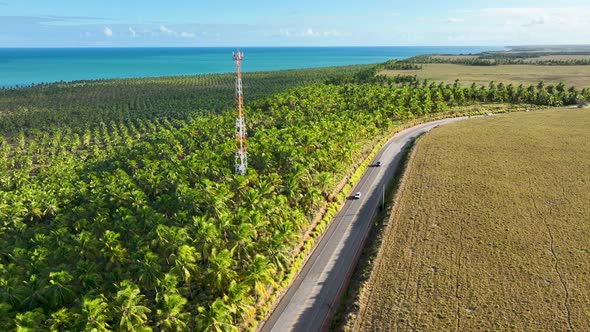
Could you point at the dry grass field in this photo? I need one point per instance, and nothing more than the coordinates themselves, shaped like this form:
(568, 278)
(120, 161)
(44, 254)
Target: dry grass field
(578, 76)
(491, 230)
(559, 57)
(562, 57)
(454, 57)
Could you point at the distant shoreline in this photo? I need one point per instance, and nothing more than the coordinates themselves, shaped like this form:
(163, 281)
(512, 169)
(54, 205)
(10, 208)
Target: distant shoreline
(240, 47)
(24, 67)
(218, 57)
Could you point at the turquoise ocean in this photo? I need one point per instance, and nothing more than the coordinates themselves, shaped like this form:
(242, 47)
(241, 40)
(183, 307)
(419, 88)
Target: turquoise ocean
(20, 67)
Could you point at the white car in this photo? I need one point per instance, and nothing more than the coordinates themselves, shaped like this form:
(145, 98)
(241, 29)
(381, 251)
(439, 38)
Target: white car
(357, 195)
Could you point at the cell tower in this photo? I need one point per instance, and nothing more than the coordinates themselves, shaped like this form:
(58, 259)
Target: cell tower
(241, 154)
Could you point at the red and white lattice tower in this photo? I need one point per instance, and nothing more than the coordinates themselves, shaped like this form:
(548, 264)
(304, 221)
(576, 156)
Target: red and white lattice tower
(241, 154)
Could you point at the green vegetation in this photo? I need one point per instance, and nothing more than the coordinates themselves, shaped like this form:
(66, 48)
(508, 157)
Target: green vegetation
(79, 105)
(490, 231)
(578, 76)
(543, 58)
(119, 208)
(401, 65)
(556, 66)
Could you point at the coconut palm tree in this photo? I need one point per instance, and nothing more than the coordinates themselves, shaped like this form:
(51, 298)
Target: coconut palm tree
(185, 267)
(149, 269)
(259, 275)
(129, 307)
(206, 234)
(217, 317)
(6, 317)
(277, 248)
(35, 295)
(59, 292)
(325, 182)
(170, 315)
(63, 320)
(95, 313)
(239, 299)
(221, 270)
(29, 321)
(311, 200)
(244, 236)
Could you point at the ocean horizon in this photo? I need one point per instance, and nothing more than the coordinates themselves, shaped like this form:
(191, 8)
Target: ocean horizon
(27, 66)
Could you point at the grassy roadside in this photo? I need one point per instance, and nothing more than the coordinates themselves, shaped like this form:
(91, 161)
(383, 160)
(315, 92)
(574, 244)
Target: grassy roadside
(490, 230)
(348, 308)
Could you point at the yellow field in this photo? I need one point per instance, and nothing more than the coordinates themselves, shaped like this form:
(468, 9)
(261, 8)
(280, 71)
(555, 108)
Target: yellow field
(559, 57)
(562, 57)
(491, 230)
(578, 76)
(454, 57)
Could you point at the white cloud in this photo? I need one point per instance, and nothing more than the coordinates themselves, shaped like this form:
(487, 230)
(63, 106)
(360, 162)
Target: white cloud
(187, 34)
(310, 32)
(107, 32)
(462, 38)
(436, 20)
(132, 32)
(165, 30)
(535, 21)
(336, 33)
(524, 25)
(454, 20)
(532, 15)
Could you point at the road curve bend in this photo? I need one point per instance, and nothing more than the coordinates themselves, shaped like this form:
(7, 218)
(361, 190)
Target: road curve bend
(311, 300)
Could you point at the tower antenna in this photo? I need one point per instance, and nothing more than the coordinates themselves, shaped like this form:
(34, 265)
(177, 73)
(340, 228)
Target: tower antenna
(241, 153)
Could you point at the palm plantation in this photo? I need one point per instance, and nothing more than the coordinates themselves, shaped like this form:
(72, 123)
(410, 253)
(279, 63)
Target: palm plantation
(113, 221)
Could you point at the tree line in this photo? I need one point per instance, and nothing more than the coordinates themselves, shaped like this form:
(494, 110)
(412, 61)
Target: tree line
(496, 59)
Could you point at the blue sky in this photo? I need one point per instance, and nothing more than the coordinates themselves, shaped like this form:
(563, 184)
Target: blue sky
(134, 23)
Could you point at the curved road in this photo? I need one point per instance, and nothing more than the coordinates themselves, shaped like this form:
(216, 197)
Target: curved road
(310, 302)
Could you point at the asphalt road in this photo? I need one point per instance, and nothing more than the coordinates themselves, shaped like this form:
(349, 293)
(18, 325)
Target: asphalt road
(310, 302)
